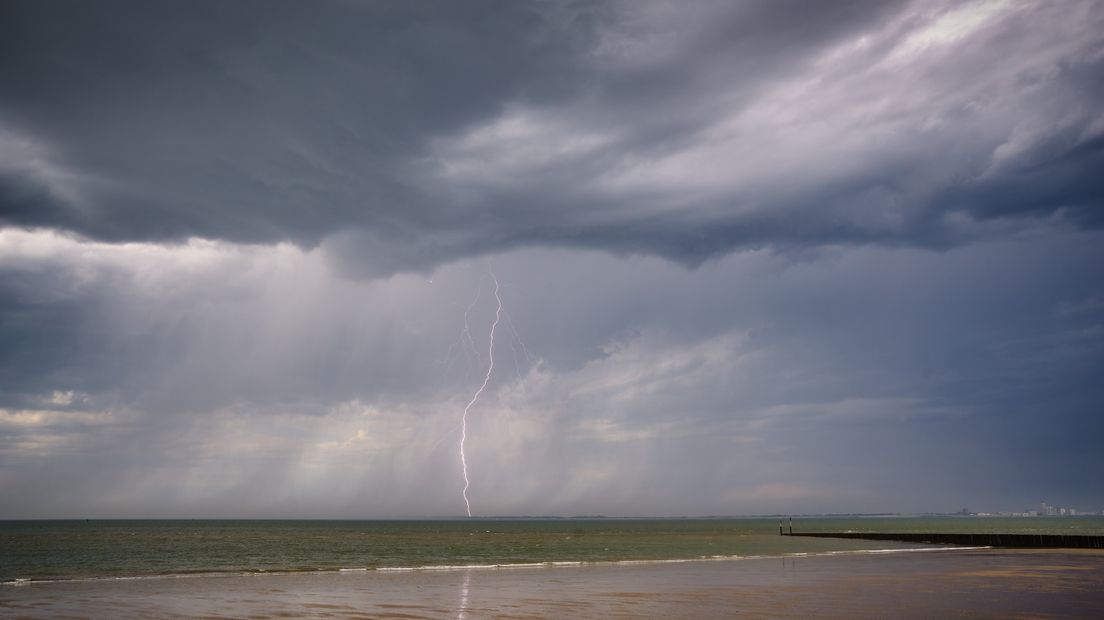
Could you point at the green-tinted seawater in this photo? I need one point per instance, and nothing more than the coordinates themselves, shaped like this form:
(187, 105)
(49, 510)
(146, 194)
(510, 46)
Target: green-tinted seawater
(104, 549)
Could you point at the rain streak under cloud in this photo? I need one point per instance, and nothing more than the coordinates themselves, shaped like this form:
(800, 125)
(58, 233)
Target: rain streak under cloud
(753, 257)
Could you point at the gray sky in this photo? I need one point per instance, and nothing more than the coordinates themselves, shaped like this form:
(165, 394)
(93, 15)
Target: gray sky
(753, 257)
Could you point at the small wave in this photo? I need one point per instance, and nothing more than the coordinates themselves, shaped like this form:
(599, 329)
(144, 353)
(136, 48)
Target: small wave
(898, 550)
(24, 581)
(20, 581)
(448, 567)
(659, 561)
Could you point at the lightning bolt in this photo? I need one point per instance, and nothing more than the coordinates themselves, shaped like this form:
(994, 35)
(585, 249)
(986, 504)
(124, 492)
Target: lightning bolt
(529, 359)
(475, 397)
(465, 343)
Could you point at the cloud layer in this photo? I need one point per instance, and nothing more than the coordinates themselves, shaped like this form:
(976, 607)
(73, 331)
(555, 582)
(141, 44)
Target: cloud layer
(404, 137)
(268, 383)
(755, 257)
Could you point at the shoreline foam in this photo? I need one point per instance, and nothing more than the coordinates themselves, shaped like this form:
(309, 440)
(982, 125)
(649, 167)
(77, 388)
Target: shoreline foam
(21, 581)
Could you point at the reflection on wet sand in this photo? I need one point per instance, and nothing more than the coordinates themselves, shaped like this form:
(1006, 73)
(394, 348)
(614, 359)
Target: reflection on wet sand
(984, 583)
(465, 589)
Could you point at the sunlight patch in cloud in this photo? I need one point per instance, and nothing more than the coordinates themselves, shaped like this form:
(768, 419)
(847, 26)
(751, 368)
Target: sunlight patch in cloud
(953, 26)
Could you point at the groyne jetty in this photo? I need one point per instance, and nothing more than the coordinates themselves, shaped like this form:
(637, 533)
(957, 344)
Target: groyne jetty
(1017, 541)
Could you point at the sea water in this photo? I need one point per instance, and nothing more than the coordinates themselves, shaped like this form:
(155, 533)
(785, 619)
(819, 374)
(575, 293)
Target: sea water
(126, 549)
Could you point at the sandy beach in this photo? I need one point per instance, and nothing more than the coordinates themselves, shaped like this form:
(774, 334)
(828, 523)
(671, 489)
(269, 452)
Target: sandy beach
(983, 583)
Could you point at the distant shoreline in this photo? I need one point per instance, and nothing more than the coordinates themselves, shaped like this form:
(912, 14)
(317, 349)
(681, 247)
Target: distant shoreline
(857, 515)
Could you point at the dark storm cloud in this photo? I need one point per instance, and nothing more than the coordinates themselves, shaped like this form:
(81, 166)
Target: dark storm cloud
(893, 211)
(405, 135)
(252, 121)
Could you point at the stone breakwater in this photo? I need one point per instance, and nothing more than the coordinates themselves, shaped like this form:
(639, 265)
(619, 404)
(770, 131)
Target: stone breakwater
(1015, 541)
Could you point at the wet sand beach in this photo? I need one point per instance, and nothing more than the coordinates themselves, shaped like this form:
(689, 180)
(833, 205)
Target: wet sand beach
(983, 583)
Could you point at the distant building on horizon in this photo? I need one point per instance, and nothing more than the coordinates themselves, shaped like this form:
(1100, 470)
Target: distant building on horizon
(1046, 510)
